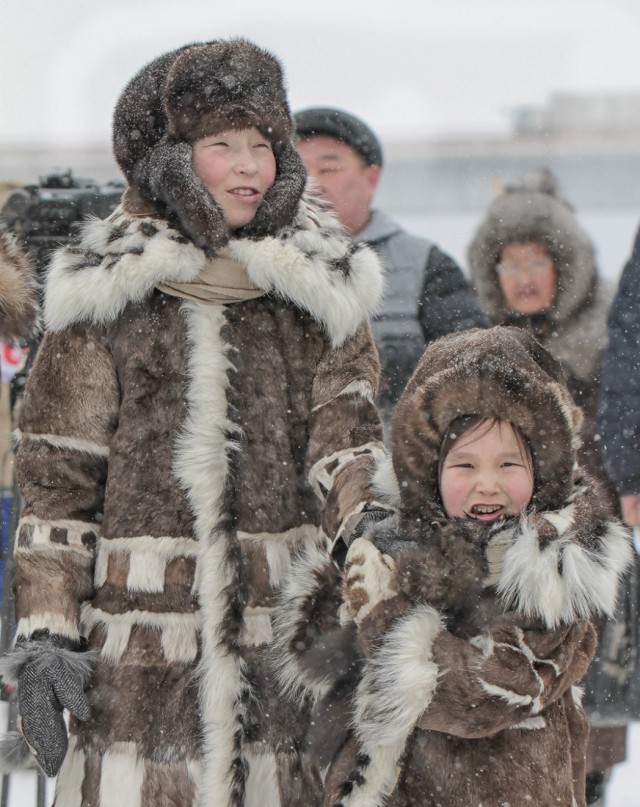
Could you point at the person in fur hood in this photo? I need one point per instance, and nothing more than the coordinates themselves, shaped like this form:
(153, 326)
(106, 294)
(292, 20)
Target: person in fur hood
(534, 266)
(463, 624)
(199, 409)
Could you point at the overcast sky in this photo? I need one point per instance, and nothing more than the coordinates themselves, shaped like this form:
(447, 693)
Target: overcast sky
(411, 68)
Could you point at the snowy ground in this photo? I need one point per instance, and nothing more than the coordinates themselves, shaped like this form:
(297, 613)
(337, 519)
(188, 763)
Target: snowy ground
(624, 789)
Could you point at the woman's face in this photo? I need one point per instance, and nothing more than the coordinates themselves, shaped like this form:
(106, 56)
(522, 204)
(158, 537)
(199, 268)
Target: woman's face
(237, 168)
(527, 277)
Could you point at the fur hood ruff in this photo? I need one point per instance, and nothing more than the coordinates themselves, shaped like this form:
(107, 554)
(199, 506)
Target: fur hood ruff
(311, 264)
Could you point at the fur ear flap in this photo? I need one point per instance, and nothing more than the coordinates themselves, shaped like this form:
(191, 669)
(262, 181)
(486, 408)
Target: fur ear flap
(165, 175)
(280, 204)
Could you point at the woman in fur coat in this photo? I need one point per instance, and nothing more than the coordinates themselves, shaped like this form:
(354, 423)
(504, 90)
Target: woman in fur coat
(534, 266)
(471, 616)
(200, 408)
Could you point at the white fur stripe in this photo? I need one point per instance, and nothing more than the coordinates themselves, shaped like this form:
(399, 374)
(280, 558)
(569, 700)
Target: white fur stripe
(257, 627)
(262, 782)
(163, 549)
(385, 482)
(178, 632)
(362, 389)
(319, 476)
(396, 687)
(146, 572)
(54, 623)
(201, 464)
(530, 724)
(279, 546)
(60, 441)
(69, 784)
(564, 581)
(510, 697)
(121, 776)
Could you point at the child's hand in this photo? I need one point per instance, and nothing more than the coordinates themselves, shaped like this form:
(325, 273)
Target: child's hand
(367, 580)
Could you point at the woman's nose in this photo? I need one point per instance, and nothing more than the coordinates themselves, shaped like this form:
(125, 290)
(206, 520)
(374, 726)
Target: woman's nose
(246, 164)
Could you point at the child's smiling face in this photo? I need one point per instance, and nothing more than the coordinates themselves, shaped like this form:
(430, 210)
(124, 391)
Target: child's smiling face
(487, 474)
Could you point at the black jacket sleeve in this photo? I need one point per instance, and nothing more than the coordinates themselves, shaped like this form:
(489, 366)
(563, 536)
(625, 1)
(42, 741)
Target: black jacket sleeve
(447, 302)
(619, 405)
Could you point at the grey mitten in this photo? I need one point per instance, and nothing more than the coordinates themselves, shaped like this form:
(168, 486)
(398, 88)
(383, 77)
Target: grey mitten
(358, 524)
(51, 674)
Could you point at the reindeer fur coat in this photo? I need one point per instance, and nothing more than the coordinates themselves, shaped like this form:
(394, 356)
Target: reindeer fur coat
(460, 680)
(172, 455)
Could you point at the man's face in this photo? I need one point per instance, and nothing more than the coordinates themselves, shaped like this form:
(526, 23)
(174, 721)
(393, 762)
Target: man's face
(342, 177)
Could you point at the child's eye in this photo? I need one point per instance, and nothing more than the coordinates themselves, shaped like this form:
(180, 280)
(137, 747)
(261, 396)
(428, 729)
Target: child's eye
(263, 146)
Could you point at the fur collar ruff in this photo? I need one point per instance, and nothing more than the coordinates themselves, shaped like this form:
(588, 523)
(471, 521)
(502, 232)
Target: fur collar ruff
(557, 565)
(120, 260)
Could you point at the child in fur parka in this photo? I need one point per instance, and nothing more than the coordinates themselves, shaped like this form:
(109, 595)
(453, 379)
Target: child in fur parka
(201, 406)
(455, 637)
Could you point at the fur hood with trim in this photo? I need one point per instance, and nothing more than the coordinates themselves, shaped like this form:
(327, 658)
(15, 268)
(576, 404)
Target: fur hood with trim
(532, 209)
(19, 307)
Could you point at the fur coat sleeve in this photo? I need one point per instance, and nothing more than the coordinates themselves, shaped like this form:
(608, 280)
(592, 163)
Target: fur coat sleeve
(345, 437)
(66, 421)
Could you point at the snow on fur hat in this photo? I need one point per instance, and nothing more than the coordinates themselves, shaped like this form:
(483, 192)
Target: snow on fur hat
(533, 209)
(189, 93)
(500, 372)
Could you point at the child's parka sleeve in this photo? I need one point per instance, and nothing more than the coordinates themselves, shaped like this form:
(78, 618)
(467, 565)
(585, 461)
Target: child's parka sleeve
(66, 421)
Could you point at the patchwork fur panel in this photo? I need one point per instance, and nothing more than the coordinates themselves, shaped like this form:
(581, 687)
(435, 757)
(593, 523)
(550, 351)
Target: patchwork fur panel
(18, 291)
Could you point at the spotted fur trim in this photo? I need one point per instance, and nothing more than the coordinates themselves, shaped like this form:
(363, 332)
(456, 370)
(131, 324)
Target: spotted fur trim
(311, 264)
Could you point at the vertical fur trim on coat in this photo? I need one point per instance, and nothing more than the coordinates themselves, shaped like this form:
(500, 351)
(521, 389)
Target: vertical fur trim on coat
(202, 465)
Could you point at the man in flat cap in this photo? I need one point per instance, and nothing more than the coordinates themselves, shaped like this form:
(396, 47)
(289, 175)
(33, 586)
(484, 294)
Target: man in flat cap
(427, 293)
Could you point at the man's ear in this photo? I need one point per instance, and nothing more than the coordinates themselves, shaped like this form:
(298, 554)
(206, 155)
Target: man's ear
(372, 172)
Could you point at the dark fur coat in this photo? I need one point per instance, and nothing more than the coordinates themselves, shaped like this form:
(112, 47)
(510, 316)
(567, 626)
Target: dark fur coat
(172, 455)
(460, 681)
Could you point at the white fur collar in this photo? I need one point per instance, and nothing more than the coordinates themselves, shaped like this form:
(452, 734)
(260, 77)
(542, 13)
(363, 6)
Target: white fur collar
(120, 260)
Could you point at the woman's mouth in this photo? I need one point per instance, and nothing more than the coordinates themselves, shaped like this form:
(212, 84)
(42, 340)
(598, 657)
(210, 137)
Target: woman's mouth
(245, 193)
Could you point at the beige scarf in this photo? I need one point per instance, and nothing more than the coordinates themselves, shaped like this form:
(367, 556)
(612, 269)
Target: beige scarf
(221, 281)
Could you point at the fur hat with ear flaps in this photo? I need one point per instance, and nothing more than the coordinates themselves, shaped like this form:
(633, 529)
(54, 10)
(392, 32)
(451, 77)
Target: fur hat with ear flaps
(501, 372)
(192, 92)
